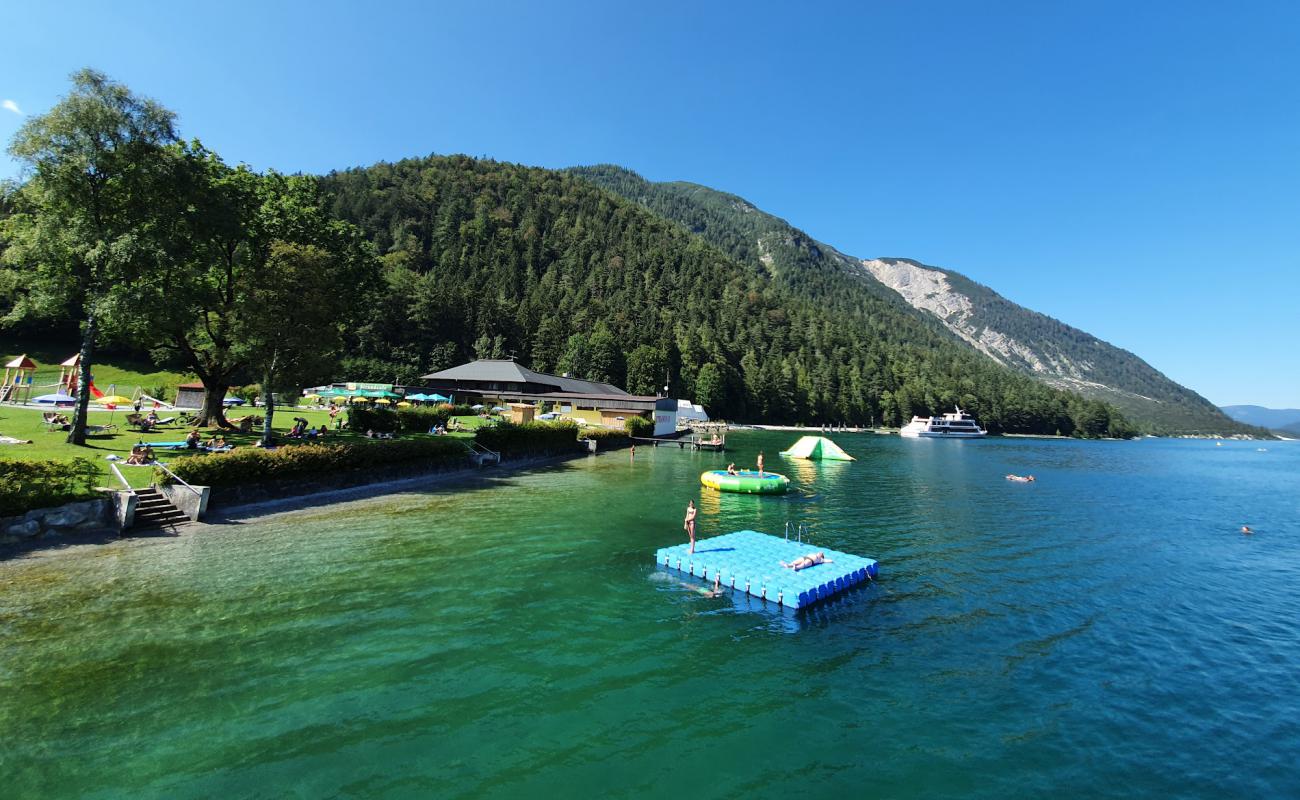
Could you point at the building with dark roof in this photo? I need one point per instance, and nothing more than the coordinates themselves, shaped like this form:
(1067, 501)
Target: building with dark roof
(501, 381)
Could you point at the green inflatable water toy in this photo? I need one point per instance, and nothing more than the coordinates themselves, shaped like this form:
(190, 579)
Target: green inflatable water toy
(817, 448)
(746, 481)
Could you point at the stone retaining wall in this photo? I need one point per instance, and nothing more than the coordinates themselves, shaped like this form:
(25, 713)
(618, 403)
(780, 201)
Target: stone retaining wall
(84, 517)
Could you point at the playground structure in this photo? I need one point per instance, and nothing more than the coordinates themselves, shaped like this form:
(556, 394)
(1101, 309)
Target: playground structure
(19, 375)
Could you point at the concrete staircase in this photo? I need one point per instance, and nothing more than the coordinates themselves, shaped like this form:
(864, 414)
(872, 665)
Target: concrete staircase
(152, 510)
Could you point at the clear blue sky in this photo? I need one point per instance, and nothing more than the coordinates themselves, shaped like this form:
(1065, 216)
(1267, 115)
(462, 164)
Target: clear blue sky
(1132, 169)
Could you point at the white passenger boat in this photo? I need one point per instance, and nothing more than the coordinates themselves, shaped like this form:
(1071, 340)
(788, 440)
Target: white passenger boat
(958, 425)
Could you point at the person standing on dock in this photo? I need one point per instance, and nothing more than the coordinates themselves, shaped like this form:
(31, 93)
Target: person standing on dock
(760, 463)
(689, 524)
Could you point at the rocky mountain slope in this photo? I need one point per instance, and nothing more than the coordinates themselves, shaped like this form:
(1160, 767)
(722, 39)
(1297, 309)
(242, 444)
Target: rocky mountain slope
(1055, 353)
(1052, 352)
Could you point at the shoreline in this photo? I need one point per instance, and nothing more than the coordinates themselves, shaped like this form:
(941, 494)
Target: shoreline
(245, 512)
(366, 491)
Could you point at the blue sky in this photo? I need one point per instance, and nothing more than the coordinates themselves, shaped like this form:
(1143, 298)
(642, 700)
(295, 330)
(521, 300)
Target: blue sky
(1132, 169)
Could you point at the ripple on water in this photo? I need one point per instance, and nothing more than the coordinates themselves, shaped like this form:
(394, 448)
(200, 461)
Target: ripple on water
(1104, 629)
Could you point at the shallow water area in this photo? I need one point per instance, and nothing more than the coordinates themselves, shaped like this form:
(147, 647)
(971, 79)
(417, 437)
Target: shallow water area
(1105, 630)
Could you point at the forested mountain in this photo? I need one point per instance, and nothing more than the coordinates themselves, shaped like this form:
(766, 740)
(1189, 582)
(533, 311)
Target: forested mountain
(490, 259)
(1050, 351)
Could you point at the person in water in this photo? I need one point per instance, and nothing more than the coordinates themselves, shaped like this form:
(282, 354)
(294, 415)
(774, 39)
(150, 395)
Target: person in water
(1246, 529)
(1021, 478)
(810, 560)
(689, 523)
(760, 463)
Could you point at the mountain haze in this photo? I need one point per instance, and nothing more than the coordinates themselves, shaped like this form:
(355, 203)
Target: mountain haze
(978, 318)
(1278, 419)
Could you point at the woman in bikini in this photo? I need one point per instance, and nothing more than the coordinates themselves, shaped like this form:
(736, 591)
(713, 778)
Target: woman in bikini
(810, 560)
(689, 524)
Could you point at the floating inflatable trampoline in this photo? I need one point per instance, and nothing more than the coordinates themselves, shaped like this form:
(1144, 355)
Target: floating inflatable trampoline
(818, 448)
(745, 481)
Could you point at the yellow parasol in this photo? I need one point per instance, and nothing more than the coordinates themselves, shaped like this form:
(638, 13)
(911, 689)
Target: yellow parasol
(113, 401)
(383, 402)
(403, 404)
(359, 399)
(311, 397)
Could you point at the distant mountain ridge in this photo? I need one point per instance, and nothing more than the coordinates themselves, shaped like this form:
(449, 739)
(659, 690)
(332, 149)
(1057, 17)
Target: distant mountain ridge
(1052, 352)
(1278, 419)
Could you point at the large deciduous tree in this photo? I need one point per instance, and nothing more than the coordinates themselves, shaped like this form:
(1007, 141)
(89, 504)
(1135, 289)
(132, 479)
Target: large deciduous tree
(292, 321)
(210, 305)
(84, 223)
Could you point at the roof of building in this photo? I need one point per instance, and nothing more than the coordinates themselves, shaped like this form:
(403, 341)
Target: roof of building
(508, 371)
(191, 386)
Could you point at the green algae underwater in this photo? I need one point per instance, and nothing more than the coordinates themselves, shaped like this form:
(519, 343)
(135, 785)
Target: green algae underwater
(1105, 631)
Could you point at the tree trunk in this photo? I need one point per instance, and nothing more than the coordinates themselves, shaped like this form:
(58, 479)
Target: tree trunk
(77, 435)
(268, 404)
(214, 413)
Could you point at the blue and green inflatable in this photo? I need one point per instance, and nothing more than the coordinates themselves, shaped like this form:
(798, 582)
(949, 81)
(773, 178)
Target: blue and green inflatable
(745, 481)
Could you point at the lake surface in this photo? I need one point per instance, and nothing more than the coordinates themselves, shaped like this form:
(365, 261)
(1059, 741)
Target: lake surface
(1105, 631)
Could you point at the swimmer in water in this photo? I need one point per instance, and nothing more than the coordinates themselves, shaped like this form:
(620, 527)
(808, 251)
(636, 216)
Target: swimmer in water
(1246, 530)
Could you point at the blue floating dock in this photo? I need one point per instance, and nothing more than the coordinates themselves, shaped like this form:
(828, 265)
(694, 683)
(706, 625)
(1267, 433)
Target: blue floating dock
(749, 561)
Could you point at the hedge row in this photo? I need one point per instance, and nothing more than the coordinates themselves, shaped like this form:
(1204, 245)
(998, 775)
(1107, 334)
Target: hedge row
(639, 426)
(417, 419)
(606, 436)
(253, 465)
(25, 485)
(530, 438)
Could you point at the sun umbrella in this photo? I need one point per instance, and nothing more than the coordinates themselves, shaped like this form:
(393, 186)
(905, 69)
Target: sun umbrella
(500, 408)
(311, 397)
(112, 401)
(58, 397)
(360, 398)
(439, 398)
(477, 407)
(417, 396)
(403, 404)
(383, 402)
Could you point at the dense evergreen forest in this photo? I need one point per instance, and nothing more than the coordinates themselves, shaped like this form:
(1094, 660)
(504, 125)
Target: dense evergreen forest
(488, 259)
(818, 273)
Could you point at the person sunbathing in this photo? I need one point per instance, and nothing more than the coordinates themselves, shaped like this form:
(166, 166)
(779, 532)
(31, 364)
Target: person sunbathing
(731, 469)
(810, 560)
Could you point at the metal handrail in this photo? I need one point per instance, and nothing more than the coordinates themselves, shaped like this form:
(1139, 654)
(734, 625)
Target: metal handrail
(121, 477)
(177, 478)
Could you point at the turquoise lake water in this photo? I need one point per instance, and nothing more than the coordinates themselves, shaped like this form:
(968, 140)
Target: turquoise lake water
(1105, 631)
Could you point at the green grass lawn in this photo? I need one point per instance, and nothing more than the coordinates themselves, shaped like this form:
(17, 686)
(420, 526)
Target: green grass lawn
(26, 423)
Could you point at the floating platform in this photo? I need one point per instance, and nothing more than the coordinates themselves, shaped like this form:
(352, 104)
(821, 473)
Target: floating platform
(817, 448)
(749, 561)
(746, 481)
